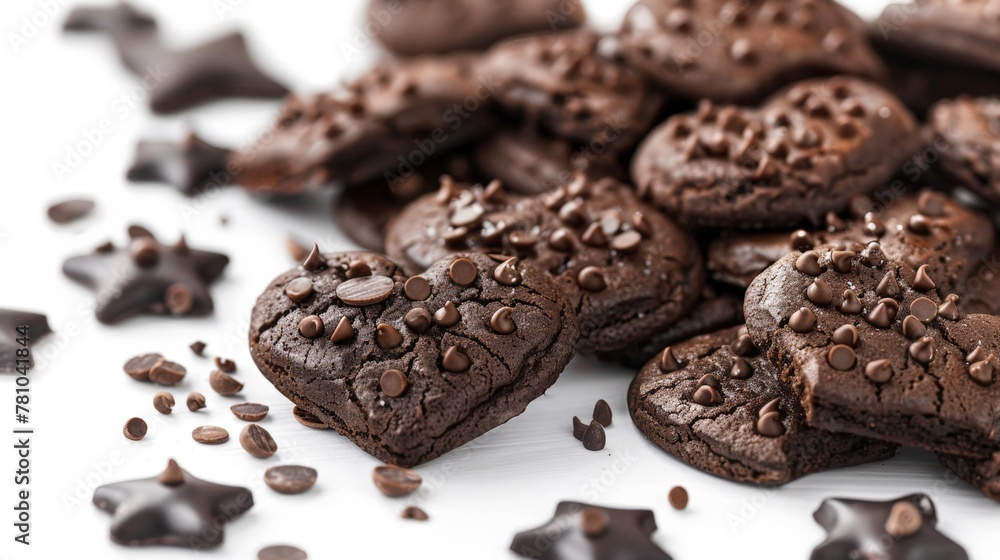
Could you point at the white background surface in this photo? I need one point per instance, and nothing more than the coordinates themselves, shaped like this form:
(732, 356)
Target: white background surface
(56, 87)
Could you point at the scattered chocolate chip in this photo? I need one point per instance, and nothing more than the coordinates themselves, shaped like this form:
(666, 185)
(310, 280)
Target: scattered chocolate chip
(808, 263)
(913, 328)
(210, 435)
(308, 419)
(802, 321)
(847, 334)
(591, 279)
(602, 413)
(195, 401)
(594, 521)
(594, 437)
(841, 357)
(173, 475)
(579, 428)
(298, 250)
(365, 291)
(627, 242)
(923, 309)
(311, 326)
(949, 309)
(282, 552)
(70, 210)
(454, 360)
(982, 372)
(743, 345)
(668, 362)
(678, 498)
(224, 384)
(880, 316)
(145, 251)
(561, 240)
(414, 513)
(447, 316)
(417, 288)
(888, 287)
(179, 299)
(769, 420)
(904, 520)
(923, 350)
(801, 240)
(393, 383)
(387, 337)
(396, 482)
(167, 373)
(139, 366)
(842, 260)
(343, 332)
(314, 261)
(358, 269)
(463, 272)
(290, 479)
(507, 273)
(706, 395)
(251, 412)
(299, 289)
(819, 292)
(879, 371)
(198, 347)
(501, 322)
(741, 369)
(163, 402)
(135, 429)
(851, 304)
(922, 281)
(257, 441)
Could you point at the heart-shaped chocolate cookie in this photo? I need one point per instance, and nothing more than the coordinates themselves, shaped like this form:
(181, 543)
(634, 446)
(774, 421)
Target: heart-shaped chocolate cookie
(410, 368)
(873, 350)
(801, 154)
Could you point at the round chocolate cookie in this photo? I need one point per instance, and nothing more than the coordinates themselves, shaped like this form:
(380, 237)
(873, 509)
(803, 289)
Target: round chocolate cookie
(968, 133)
(876, 352)
(740, 51)
(717, 404)
(628, 271)
(930, 227)
(386, 123)
(800, 155)
(984, 474)
(415, 27)
(410, 368)
(574, 85)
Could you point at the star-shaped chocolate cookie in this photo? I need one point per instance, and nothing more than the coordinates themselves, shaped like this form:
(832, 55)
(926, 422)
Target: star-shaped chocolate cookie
(584, 532)
(171, 509)
(10, 322)
(902, 529)
(190, 165)
(147, 277)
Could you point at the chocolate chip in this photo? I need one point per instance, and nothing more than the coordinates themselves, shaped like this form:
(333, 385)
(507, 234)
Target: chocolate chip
(224, 384)
(561, 240)
(923, 309)
(678, 497)
(299, 289)
(463, 272)
(198, 347)
(922, 282)
(311, 326)
(364, 291)
(591, 279)
(841, 357)
(578, 428)
(414, 513)
(393, 383)
(626, 242)
(417, 319)
(819, 292)
(919, 224)
(802, 321)
(454, 360)
(888, 287)
(195, 401)
(668, 362)
(343, 332)
(743, 345)
(594, 437)
(879, 371)
(296, 249)
(922, 350)
(522, 240)
(358, 269)
(396, 482)
(846, 334)
(842, 260)
(314, 261)
(982, 372)
(290, 479)
(706, 395)
(741, 369)
(167, 373)
(507, 273)
(173, 475)
(70, 210)
(251, 412)
(904, 520)
(801, 240)
(257, 441)
(641, 224)
(501, 322)
(224, 365)
(931, 204)
(308, 419)
(145, 251)
(387, 337)
(949, 309)
(913, 328)
(179, 299)
(769, 425)
(594, 236)
(880, 316)
(139, 366)
(447, 316)
(594, 522)
(163, 402)
(282, 552)
(851, 304)
(808, 263)
(977, 355)
(602, 413)
(135, 429)
(417, 288)
(210, 435)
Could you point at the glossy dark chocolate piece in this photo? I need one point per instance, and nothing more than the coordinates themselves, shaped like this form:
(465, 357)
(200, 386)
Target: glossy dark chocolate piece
(10, 321)
(189, 166)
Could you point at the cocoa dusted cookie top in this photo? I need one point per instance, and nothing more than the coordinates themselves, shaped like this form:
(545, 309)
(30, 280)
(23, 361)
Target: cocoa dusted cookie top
(387, 121)
(799, 155)
(740, 51)
(626, 269)
(410, 368)
(575, 85)
(877, 352)
(965, 32)
(416, 27)
(969, 132)
(718, 404)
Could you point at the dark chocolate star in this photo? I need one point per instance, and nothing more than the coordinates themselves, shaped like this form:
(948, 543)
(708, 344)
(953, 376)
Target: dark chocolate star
(901, 529)
(147, 277)
(172, 509)
(190, 165)
(583, 532)
(218, 69)
(10, 320)
(114, 19)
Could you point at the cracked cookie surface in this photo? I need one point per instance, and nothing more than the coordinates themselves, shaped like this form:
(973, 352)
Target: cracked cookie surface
(410, 368)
